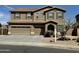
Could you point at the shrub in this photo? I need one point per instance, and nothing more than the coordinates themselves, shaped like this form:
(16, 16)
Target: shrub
(78, 40)
(63, 33)
(63, 38)
(47, 34)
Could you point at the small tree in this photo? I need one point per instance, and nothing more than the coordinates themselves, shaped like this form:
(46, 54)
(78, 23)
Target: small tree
(68, 24)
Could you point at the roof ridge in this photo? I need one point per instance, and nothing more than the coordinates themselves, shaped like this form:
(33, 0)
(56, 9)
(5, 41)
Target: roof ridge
(30, 9)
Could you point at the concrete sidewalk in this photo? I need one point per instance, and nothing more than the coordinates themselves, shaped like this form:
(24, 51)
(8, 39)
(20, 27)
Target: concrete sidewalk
(58, 44)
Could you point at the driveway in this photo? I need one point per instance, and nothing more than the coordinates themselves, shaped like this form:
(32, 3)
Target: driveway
(37, 41)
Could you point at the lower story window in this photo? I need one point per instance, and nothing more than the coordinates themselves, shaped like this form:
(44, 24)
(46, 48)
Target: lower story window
(60, 28)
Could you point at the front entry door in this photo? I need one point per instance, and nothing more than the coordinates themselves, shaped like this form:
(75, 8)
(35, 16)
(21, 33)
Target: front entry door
(50, 29)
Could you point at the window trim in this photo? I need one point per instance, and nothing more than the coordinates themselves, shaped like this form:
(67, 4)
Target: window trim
(57, 16)
(15, 17)
(60, 28)
(28, 17)
(48, 17)
(40, 15)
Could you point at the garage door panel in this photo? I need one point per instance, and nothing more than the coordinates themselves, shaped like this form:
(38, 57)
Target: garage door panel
(37, 31)
(20, 31)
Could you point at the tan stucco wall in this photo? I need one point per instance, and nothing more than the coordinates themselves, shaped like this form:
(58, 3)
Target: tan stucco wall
(37, 31)
(59, 21)
(34, 19)
(37, 20)
(23, 17)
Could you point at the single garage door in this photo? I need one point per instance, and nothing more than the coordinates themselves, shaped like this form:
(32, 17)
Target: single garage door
(20, 30)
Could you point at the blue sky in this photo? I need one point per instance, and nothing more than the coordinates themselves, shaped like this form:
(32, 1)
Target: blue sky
(71, 11)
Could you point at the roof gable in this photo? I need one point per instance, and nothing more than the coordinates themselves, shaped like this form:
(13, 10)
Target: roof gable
(43, 8)
(56, 9)
(30, 9)
(51, 22)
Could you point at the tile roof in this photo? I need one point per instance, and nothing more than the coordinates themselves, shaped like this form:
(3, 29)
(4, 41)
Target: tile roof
(24, 10)
(55, 9)
(45, 9)
(30, 9)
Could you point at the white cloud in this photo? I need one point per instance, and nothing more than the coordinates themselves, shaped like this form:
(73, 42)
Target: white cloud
(3, 22)
(1, 15)
(4, 18)
(10, 8)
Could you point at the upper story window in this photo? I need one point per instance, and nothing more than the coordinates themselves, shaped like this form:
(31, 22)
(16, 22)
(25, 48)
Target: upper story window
(50, 15)
(29, 16)
(39, 15)
(59, 15)
(17, 15)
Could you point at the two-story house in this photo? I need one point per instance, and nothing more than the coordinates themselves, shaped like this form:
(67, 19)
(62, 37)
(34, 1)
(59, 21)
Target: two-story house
(36, 21)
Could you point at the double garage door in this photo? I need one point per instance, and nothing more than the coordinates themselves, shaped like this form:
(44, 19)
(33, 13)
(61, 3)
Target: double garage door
(20, 30)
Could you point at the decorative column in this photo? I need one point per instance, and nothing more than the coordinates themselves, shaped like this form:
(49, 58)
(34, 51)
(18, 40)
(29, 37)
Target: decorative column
(46, 28)
(32, 30)
(9, 30)
(2, 30)
(77, 31)
(55, 31)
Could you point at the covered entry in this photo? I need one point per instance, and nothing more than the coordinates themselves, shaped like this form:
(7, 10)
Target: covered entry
(50, 27)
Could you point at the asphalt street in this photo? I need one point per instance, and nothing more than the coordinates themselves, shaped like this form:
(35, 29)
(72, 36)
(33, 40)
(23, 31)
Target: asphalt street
(32, 49)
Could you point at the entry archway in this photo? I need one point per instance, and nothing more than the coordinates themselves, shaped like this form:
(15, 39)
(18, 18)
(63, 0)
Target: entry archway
(50, 27)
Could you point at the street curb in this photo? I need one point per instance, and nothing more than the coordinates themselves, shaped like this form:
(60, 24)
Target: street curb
(39, 44)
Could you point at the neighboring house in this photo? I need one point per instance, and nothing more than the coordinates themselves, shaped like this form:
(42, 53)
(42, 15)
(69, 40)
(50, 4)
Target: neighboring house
(0, 29)
(74, 30)
(3, 29)
(37, 21)
(76, 26)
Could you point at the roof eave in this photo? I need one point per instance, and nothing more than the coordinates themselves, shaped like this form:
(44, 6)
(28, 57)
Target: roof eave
(20, 11)
(57, 9)
(43, 8)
